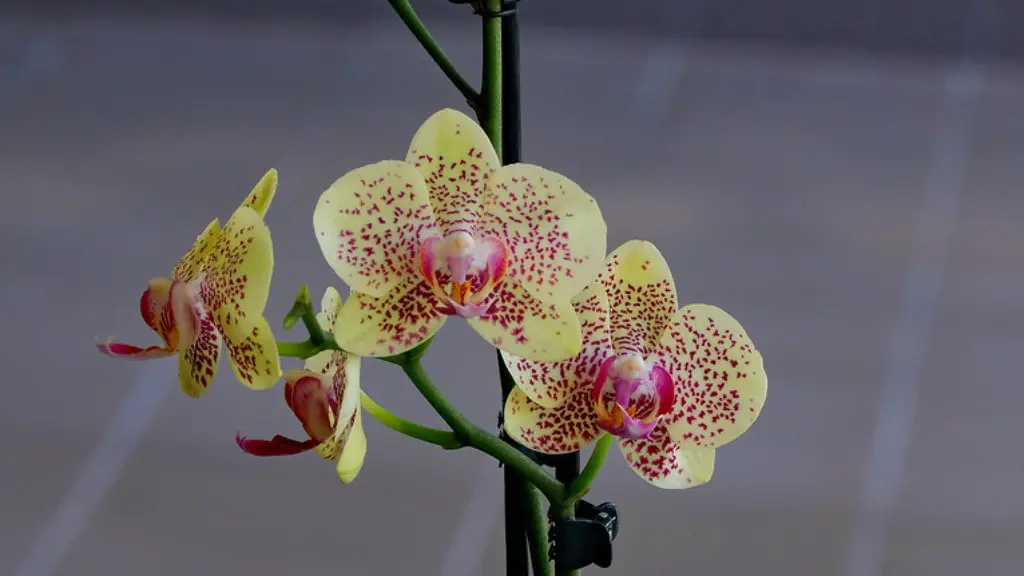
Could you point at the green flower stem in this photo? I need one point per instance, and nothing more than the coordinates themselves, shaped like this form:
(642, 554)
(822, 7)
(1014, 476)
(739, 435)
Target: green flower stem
(491, 113)
(442, 438)
(478, 438)
(537, 532)
(412, 21)
(581, 485)
(303, 349)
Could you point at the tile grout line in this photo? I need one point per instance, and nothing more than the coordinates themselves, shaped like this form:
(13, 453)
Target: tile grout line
(135, 414)
(650, 102)
(911, 338)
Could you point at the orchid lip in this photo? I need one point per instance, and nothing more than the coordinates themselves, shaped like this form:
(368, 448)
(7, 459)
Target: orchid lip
(630, 396)
(466, 262)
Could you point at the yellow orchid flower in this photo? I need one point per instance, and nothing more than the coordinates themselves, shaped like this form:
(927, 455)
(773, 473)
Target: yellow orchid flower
(216, 293)
(324, 396)
(449, 231)
(672, 385)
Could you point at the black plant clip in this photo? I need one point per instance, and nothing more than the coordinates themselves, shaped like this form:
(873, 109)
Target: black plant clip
(586, 539)
(508, 8)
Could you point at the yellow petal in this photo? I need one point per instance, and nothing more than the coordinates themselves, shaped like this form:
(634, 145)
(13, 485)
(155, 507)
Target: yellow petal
(553, 230)
(551, 430)
(263, 193)
(343, 370)
(402, 319)
(550, 383)
(641, 294)
(198, 359)
(350, 461)
(370, 224)
(526, 327)
(456, 159)
(719, 378)
(665, 464)
(235, 287)
(192, 262)
(330, 306)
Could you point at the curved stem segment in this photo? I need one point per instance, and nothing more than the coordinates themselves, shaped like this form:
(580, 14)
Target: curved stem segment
(581, 485)
(412, 21)
(478, 438)
(442, 438)
(537, 532)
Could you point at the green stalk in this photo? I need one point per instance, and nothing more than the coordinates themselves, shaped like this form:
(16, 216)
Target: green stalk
(581, 485)
(412, 21)
(491, 92)
(478, 438)
(537, 533)
(442, 438)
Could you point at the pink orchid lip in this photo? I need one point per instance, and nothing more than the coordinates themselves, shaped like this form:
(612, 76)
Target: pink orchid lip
(459, 256)
(626, 417)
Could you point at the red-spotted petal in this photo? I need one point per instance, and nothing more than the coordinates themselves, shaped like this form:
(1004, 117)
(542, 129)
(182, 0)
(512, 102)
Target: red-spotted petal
(554, 231)
(402, 319)
(235, 286)
(665, 464)
(370, 224)
(456, 160)
(524, 326)
(551, 383)
(641, 296)
(343, 371)
(191, 263)
(200, 340)
(262, 193)
(719, 377)
(560, 430)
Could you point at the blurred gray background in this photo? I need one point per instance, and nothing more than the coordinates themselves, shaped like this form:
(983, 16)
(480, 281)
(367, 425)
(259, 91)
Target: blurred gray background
(844, 177)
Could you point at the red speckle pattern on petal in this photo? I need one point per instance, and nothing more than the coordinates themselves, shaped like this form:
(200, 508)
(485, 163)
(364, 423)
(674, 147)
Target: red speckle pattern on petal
(393, 221)
(455, 185)
(197, 364)
(534, 217)
(719, 380)
(639, 312)
(560, 430)
(551, 383)
(191, 263)
(662, 462)
(511, 307)
(402, 319)
(225, 288)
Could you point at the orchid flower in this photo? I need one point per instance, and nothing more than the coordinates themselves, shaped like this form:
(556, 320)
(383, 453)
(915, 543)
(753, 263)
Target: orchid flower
(450, 232)
(324, 396)
(216, 294)
(672, 385)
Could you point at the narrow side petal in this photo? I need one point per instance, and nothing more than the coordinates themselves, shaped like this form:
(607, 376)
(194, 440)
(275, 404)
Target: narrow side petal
(129, 352)
(235, 287)
(554, 230)
(330, 306)
(345, 391)
(526, 327)
(262, 193)
(551, 383)
(718, 374)
(560, 430)
(192, 262)
(201, 343)
(350, 461)
(276, 446)
(665, 464)
(456, 160)
(402, 319)
(370, 224)
(641, 295)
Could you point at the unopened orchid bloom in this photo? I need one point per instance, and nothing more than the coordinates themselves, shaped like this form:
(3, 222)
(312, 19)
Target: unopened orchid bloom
(324, 396)
(450, 232)
(672, 385)
(216, 294)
